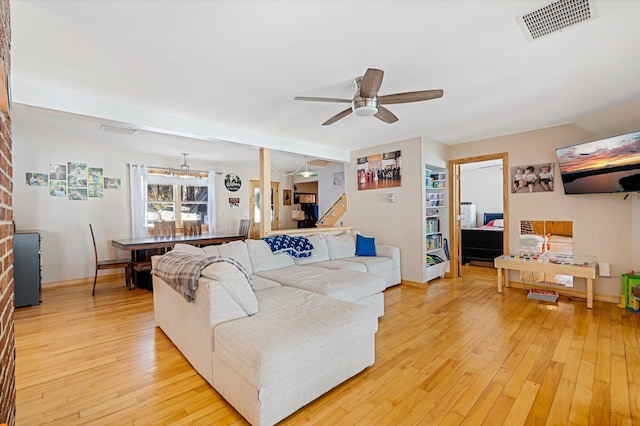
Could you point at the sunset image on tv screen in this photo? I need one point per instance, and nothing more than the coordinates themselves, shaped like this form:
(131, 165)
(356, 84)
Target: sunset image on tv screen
(607, 165)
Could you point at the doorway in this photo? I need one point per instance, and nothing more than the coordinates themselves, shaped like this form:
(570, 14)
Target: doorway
(255, 215)
(498, 160)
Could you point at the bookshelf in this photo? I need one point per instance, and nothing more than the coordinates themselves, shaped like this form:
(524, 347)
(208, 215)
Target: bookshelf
(436, 222)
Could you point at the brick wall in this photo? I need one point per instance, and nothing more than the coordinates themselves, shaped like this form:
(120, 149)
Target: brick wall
(7, 348)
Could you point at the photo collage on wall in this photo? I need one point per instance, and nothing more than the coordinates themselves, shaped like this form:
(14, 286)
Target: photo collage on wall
(73, 181)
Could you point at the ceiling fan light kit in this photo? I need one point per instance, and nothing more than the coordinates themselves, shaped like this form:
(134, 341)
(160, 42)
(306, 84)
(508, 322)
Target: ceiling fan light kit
(364, 107)
(366, 101)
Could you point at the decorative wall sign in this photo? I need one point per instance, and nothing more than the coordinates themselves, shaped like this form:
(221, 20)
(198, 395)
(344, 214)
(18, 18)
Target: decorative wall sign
(234, 202)
(286, 197)
(232, 182)
(379, 171)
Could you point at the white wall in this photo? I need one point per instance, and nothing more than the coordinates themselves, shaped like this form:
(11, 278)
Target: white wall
(398, 223)
(605, 225)
(482, 187)
(67, 252)
(330, 192)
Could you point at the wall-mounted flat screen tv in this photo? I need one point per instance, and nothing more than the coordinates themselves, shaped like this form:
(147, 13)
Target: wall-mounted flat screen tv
(601, 166)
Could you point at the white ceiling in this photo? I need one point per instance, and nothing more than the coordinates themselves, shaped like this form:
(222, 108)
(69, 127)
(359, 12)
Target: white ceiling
(229, 70)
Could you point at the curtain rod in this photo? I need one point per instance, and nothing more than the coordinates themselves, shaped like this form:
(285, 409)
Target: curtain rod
(173, 169)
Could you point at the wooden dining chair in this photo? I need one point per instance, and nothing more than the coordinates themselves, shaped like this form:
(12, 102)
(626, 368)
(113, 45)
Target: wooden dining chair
(192, 227)
(164, 228)
(244, 227)
(109, 264)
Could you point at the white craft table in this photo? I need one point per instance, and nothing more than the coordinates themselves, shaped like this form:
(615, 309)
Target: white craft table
(507, 262)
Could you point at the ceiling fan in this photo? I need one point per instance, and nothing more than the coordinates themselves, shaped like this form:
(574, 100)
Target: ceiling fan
(366, 101)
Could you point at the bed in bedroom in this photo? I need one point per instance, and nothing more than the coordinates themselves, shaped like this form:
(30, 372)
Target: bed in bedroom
(484, 243)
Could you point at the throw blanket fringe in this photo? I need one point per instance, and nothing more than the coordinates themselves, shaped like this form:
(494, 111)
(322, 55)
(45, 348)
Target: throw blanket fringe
(297, 247)
(181, 271)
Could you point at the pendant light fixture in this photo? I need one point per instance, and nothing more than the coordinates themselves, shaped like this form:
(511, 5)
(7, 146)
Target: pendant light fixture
(306, 173)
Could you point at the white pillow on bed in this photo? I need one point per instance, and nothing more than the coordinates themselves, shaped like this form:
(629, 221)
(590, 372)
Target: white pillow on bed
(498, 223)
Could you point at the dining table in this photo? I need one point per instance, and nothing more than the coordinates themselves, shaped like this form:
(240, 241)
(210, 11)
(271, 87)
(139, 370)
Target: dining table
(142, 249)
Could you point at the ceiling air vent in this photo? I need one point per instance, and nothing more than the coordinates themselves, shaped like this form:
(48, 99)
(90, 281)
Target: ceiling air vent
(118, 130)
(554, 17)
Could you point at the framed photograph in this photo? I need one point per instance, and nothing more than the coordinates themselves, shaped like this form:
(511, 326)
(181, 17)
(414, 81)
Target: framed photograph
(112, 183)
(286, 197)
(58, 172)
(338, 178)
(379, 171)
(37, 179)
(532, 178)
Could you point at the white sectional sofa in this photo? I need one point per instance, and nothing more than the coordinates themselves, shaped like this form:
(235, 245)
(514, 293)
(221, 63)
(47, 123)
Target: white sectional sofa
(305, 326)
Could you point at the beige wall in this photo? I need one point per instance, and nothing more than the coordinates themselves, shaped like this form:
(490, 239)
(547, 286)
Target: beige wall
(399, 223)
(603, 224)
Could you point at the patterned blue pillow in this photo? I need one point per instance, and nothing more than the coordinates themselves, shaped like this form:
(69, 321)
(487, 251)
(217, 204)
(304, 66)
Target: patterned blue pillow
(297, 247)
(365, 246)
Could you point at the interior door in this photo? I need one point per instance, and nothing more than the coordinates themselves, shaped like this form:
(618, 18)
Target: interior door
(455, 228)
(255, 215)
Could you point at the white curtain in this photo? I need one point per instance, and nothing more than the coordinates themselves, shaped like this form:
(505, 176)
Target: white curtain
(138, 182)
(212, 202)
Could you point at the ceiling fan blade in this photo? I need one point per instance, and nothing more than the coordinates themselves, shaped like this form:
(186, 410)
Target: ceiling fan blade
(306, 98)
(386, 115)
(400, 98)
(337, 117)
(371, 82)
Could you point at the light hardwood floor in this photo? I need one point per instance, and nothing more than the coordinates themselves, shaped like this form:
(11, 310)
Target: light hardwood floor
(455, 353)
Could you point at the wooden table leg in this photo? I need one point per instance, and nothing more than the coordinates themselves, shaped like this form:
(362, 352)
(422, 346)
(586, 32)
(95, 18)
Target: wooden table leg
(589, 293)
(499, 280)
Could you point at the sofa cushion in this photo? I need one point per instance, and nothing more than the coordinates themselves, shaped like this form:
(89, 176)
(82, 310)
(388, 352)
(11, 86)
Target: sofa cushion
(236, 250)
(374, 264)
(320, 251)
(341, 264)
(211, 250)
(188, 248)
(291, 321)
(236, 283)
(339, 284)
(263, 259)
(261, 283)
(340, 246)
(365, 246)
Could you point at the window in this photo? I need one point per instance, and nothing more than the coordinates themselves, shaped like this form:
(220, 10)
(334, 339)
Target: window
(163, 201)
(159, 194)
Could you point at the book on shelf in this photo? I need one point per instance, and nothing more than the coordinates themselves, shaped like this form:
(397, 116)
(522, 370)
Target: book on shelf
(541, 294)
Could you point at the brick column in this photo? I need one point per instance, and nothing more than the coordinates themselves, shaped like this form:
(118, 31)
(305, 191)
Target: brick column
(7, 346)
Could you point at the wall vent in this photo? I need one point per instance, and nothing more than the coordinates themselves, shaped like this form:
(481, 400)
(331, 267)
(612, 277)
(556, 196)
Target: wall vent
(118, 130)
(554, 17)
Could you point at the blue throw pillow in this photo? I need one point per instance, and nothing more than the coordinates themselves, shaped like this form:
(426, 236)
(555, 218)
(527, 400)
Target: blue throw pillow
(365, 246)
